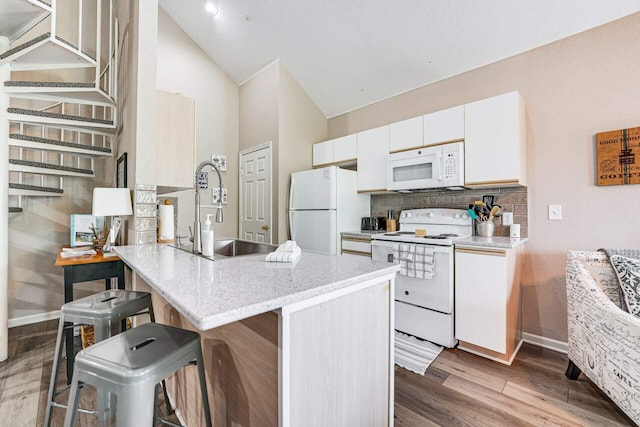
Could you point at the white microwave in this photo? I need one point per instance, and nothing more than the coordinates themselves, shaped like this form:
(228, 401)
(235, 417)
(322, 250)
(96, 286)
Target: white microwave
(439, 166)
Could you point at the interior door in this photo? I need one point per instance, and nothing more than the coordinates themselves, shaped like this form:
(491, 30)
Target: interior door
(255, 194)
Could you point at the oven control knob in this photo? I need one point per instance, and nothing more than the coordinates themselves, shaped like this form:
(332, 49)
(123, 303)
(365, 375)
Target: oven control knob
(406, 214)
(431, 215)
(456, 215)
(406, 292)
(465, 216)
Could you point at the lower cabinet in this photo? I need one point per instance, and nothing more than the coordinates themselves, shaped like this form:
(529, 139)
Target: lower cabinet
(358, 246)
(487, 302)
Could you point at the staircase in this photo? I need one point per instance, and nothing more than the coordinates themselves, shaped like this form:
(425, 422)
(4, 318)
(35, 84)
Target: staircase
(61, 94)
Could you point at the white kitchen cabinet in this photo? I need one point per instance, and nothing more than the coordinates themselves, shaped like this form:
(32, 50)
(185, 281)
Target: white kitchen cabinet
(341, 150)
(373, 151)
(176, 142)
(444, 126)
(358, 246)
(495, 142)
(406, 134)
(487, 302)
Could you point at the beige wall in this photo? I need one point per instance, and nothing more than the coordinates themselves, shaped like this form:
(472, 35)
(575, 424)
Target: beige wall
(301, 125)
(184, 68)
(573, 89)
(274, 107)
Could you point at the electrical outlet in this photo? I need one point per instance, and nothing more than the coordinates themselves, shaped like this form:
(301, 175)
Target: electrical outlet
(220, 161)
(215, 195)
(555, 212)
(507, 218)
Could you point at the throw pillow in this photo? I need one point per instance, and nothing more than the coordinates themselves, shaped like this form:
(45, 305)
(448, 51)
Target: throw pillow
(628, 271)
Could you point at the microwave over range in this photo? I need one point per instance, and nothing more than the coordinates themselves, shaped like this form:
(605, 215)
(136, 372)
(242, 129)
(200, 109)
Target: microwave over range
(439, 166)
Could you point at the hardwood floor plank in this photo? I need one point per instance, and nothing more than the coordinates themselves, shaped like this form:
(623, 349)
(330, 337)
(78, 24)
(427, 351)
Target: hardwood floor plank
(597, 402)
(447, 407)
(404, 417)
(559, 408)
(506, 404)
(471, 367)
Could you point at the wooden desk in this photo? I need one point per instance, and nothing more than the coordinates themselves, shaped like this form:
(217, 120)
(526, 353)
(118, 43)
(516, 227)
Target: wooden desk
(86, 268)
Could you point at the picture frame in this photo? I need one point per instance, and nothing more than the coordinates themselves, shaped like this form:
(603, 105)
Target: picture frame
(82, 226)
(121, 171)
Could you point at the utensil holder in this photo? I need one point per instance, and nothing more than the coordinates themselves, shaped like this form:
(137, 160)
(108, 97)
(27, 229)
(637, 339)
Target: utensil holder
(485, 228)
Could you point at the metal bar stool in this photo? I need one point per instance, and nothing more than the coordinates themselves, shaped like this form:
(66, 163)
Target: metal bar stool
(131, 364)
(105, 311)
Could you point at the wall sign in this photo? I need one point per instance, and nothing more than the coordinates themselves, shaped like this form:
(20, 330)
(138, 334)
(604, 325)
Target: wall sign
(618, 157)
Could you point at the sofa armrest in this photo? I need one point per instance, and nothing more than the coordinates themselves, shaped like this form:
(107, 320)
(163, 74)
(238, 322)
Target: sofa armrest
(604, 341)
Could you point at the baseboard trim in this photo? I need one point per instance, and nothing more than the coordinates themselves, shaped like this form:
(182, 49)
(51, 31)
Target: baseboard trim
(551, 344)
(34, 318)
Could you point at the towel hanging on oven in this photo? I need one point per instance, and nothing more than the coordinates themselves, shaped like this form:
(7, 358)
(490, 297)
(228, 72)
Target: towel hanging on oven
(415, 260)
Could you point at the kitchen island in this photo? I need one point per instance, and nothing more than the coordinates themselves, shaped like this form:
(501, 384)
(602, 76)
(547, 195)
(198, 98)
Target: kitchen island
(309, 343)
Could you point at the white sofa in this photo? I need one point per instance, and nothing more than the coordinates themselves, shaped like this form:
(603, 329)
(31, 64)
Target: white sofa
(604, 340)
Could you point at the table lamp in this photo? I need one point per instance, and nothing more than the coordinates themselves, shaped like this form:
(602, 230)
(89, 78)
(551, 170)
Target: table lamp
(113, 202)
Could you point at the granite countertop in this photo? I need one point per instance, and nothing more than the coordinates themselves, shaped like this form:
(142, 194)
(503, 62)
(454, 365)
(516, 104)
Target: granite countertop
(491, 242)
(213, 293)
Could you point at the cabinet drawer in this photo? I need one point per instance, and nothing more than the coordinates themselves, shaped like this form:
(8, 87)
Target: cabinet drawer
(354, 246)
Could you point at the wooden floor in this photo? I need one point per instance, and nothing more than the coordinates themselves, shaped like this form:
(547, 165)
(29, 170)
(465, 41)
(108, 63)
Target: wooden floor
(459, 389)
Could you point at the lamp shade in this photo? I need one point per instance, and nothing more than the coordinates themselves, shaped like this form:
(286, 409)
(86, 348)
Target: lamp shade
(111, 202)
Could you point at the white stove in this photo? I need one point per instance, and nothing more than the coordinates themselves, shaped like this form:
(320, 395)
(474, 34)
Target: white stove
(424, 287)
(443, 226)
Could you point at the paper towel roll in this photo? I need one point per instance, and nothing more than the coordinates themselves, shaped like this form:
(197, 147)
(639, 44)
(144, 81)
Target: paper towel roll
(165, 223)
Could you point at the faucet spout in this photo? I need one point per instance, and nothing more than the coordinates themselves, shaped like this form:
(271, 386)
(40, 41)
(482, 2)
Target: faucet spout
(197, 228)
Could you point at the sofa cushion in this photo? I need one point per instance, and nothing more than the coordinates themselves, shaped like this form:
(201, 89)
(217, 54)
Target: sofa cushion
(628, 271)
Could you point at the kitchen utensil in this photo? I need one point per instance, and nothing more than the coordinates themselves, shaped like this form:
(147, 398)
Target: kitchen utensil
(488, 200)
(472, 214)
(494, 210)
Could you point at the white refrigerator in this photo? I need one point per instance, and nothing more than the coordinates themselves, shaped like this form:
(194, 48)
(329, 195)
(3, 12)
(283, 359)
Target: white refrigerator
(323, 203)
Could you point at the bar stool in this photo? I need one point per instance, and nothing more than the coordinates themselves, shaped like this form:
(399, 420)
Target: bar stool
(104, 311)
(131, 364)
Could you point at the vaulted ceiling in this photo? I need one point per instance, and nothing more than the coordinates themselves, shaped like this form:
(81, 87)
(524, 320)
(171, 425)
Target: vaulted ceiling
(351, 53)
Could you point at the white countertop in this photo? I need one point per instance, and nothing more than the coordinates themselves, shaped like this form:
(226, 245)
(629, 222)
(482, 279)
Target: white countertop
(213, 293)
(491, 242)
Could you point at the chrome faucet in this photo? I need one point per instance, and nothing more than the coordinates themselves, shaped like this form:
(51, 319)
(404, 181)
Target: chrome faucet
(197, 228)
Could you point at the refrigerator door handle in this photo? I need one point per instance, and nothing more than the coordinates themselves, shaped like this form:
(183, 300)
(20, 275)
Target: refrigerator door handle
(293, 237)
(290, 207)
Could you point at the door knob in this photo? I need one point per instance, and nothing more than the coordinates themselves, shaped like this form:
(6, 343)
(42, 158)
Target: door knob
(265, 227)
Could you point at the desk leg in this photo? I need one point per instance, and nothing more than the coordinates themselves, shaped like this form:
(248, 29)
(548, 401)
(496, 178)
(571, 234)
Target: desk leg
(68, 297)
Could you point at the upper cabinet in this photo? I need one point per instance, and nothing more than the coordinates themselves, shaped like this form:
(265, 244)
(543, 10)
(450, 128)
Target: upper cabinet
(341, 150)
(373, 151)
(444, 126)
(406, 134)
(176, 142)
(495, 142)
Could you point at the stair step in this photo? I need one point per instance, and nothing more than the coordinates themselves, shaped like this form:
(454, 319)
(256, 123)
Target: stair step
(13, 209)
(16, 165)
(45, 52)
(19, 140)
(33, 190)
(46, 117)
(85, 93)
(18, 16)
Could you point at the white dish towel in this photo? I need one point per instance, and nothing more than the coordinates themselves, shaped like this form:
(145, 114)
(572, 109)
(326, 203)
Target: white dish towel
(415, 260)
(289, 251)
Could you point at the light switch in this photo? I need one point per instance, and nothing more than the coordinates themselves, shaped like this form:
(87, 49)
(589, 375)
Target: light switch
(555, 212)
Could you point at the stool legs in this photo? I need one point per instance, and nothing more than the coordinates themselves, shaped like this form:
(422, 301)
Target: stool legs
(54, 374)
(203, 385)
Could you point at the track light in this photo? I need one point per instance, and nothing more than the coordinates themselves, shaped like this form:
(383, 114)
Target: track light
(210, 7)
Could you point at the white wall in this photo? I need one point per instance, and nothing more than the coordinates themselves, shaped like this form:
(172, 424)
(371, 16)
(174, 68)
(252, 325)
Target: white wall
(185, 69)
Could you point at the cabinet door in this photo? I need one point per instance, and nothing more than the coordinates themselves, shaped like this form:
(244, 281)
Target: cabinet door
(345, 149)
(444, 126)
(405, 135)
(323, 153)
(176, 139)
(373, 151)
(481, 298)
(495, 141)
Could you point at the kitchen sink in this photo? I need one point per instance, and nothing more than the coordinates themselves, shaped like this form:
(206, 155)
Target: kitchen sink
(232, 247)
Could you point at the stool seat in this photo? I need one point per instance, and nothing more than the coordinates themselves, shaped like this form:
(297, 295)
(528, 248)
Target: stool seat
(131, 364)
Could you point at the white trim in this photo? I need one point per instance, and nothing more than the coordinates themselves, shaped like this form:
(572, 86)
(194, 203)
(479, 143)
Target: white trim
(268, 145)
(34, 318)
(260, 71)
(5, 75)
(495, 359)
(284, 365)
(551, 344)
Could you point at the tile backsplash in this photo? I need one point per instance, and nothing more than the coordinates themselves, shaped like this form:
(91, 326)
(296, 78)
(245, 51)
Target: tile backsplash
(510, 199)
